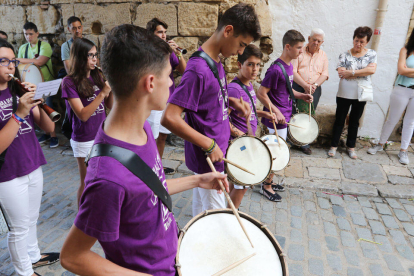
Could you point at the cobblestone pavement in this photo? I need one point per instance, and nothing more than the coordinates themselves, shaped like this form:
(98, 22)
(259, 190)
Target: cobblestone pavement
(329, 205)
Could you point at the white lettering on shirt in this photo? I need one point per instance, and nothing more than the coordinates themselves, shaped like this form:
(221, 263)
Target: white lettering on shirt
(223, 103)
(6, 110)
(101, 107)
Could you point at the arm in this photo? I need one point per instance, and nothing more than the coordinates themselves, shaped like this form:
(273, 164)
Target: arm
(321, 80)
(302, 96)
(265, 114)
(40, 61)
(77, 257)
(367, 71)
(82, 112)
(42, 120)
(298, 79)
(205, 181)
(181, 65)
(402, 66)
(66, 63)
(264, 98)
(109, 101)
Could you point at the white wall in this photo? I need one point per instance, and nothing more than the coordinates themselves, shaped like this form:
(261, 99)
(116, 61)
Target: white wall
(339, 19)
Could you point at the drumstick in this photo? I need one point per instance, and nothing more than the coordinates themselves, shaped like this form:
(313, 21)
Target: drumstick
(274, 125)
(230, 267)
(295, 125)
(235, 212)
(238, 166)
(310, 111)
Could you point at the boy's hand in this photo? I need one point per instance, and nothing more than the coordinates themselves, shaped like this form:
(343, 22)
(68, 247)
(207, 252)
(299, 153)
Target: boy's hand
(269, 116)
(280, 118)
(216, 155)
(307, 98)
(210, 181)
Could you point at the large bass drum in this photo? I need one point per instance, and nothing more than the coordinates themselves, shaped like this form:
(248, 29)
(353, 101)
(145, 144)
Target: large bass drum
(252, 154)
(306, 133)
(280, 154)
(214, 240)
(30, 73)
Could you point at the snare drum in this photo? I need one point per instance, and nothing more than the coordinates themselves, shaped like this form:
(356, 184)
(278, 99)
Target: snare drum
(282, 153)
(214, 240)
(308, 132)
(251, 153)
(30, 73)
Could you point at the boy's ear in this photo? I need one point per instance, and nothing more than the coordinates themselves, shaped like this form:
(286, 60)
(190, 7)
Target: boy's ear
(148, 83)
(228, 31)
(239, 64)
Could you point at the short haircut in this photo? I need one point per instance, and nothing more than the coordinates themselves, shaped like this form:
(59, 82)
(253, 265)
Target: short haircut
(30, 26)
(317, 31)
(154, 23)
(73, 19)
(362, 32)
(4, 33)
(250, 50)
(244, 20)
(292, 37)
(128, 53)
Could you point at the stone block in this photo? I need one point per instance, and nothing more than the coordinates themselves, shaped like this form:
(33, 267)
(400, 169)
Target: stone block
(385, 244)
(362, 171)
(358, 219)
(296, 252)
(330, 229)
(16, 2)
(93, 38)
(334, 163)
(197, 19)
(405, 252)
(312, 218)
(294, 168)
(332, 243)
(352, 271)
(167, 13)
(397, 170)
(101, 19)
(390, 222)
(369, 250)
(315, 248)
(351, 257)
(326, 173)
(325, 115)
(296, 223)
(409, 228)
(394, 203)
(334, 262)
(364, 233)
(265, 17)
(295, 235)
(315, 267)
(339, 211)
(188, 43)
(347, 239)
(336, 200)
(396, 191)
(67, 11)
(230, 64)
(377, 227)
(351, 188)
(12, 19)
(398, 237)
(393, 263)
(400, 180)
(343, 224)
(314, 232)
(296, 269)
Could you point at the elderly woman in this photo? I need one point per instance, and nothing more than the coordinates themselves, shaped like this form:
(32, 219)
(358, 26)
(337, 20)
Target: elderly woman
(402, 98)
(359, 63)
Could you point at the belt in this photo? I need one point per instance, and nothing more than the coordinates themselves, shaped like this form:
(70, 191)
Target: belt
(411, 86)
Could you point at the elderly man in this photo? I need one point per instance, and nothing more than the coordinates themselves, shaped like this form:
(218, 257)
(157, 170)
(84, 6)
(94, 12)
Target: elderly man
(310, 71)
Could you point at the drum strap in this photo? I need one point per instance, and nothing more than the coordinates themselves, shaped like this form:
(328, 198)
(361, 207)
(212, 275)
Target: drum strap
(288, 85)
(135, 165)
(39, 43)
(14, 106)
(250, 97)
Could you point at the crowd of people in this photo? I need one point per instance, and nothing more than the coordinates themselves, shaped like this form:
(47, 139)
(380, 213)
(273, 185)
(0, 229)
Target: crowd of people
(118, 207)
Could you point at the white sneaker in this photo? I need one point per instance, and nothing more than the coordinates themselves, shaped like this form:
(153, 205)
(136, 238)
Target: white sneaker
(375, 149)
(403, 155)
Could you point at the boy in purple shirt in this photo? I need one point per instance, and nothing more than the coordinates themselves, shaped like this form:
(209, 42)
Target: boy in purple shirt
(274, 91)
(206, 126)
(136, 231)
(249, 66)
(177, 61)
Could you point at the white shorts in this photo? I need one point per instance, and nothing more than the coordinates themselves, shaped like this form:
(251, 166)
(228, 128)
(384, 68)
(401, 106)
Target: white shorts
(281, 132)
(206, 199)
(154, 120)
(239, 187)
(81, 149)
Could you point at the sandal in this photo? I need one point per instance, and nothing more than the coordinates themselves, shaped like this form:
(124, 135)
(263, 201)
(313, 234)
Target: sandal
(272, 197)
(352, 154)
(332, 152)
(275, 187)
(48, 260)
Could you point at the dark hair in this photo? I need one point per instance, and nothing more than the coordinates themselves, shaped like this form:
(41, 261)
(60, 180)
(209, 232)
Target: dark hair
(362, 32)
(292, 37)
(129, 52)
(13, 87)
(4, 33)
(78, 68)
(30, 26)
(154, 23)
(410, 44)
(73, 19)
(244, 20)
(250, 50)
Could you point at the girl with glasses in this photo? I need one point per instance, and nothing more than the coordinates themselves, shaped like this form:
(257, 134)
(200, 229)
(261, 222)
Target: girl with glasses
(86, 94)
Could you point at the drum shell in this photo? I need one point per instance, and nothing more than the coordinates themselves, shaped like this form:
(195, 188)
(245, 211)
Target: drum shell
(265, 230)
(25, 69)
(295, 141)
(233, 178)
(263, 137)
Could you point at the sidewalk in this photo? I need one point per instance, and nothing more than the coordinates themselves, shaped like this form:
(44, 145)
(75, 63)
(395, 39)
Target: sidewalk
(317, 227)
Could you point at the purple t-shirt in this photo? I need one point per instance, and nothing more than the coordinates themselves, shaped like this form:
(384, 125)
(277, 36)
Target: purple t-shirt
(133, 226)
(236, 91)
(278, 94)
(205, 111)
(82, 131)
(174, 63)
(24, 155)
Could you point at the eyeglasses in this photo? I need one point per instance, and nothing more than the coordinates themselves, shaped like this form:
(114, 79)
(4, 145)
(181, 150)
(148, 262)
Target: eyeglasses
(6, 62)
(90, 55)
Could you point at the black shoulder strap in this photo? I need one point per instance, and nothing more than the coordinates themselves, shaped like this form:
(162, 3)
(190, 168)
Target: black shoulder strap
(289, 86)
(135, 165)
(213, 68)
(39, 42)
(27, 50)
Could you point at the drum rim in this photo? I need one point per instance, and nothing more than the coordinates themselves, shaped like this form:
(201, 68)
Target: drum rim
(23, 76)
(231, 176)
(271, 152)
(263, 227)
(296, 142)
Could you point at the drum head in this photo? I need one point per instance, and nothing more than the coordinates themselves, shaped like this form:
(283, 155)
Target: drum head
(282, 153)
(215, 241)
(30, 73)
(309, 131)
(252, 154)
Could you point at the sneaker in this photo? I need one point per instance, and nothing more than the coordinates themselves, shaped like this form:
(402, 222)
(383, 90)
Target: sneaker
(54, 142)
(275, 187)
(44, 138)
(403, 155)
(48, 260)
(168, 171)
(376, 149)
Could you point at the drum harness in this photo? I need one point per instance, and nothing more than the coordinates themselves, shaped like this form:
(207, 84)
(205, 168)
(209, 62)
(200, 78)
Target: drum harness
(288, 85)
(39, 42)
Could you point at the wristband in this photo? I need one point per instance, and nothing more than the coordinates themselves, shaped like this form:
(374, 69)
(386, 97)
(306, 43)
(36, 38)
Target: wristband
(211, 148)
(17, 119)
(179, 56)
